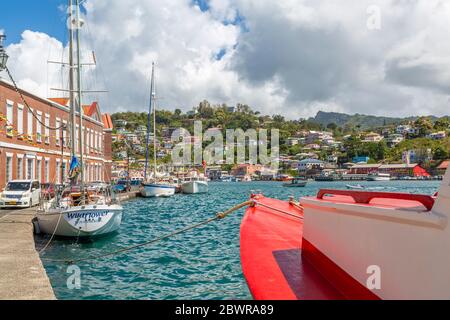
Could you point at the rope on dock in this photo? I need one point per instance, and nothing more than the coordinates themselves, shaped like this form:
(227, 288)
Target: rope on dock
(219, 216)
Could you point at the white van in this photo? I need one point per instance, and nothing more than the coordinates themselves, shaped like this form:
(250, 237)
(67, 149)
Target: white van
(20, 194)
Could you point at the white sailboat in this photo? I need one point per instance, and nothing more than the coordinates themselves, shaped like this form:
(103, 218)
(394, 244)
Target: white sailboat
(76, 211)
(154, 187)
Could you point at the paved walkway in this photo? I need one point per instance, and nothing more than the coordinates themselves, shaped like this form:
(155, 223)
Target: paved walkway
(22, 275)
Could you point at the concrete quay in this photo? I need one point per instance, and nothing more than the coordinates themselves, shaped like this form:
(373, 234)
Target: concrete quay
(23, 276)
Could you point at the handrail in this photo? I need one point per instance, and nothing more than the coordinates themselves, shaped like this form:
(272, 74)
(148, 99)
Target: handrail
(365, 197)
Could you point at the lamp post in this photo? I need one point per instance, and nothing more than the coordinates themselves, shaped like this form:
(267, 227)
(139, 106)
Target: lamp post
(3, 56)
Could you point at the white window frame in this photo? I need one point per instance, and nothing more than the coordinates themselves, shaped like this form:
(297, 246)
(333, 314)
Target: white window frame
(39, 127)
(39, 169)
(47, 170)
(65, 133)
(47, 130)
(10, 112)
(30, 123)
(65, 168)
(30, 172)
(20, 117)
(9, 167)
(58, 171)
(77, 127)
(58, 132)
(92, 141)
(19, 168)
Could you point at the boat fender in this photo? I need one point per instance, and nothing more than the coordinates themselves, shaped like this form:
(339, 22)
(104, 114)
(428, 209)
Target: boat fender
(36, 228)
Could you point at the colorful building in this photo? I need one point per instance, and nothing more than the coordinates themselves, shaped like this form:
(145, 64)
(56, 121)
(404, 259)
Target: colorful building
(395, 170)
(30, 149)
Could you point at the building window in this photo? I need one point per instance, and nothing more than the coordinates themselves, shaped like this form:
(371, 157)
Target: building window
(9, 118)
(47, 130)
(92, 141)
(9, 168)
(64, 171)
(30, 169)
(10, 113)
(58, 171)
(39, 170)
(58, 132)
(65, 134)
(39, 127)
(95, 142)
(19, 168)
(30, 125)
(47, 170)
(76, 138)
(20, 120)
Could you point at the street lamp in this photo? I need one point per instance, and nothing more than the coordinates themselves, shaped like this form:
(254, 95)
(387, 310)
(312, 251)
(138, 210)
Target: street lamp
(3, 56)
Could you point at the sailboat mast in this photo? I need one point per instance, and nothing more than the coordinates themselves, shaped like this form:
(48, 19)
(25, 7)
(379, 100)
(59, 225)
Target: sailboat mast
(80, 95)
(154, 128)
(149, 122)
(71, 82)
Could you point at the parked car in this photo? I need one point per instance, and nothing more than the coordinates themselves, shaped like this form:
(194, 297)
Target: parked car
(20, 194)
(97, 186)
(121, 186)
(48, 191)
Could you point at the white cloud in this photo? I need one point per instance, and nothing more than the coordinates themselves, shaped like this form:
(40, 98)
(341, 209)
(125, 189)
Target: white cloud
(28, 62)
(294, 57)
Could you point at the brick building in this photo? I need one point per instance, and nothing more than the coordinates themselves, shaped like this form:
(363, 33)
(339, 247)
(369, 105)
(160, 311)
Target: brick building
(29, 150)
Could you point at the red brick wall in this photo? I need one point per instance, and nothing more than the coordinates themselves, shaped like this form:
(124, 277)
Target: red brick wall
(16, 145)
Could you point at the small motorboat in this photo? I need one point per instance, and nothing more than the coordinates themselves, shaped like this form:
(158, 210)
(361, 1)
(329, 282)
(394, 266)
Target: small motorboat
(296, 183)
(355, 187)
(379, 177)
(195, 183)
(348, 244)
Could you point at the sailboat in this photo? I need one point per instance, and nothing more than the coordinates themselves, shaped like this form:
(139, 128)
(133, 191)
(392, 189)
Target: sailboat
(154, 187)
(76, 211)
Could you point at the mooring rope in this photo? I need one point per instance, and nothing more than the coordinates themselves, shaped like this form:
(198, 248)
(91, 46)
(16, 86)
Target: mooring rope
(279, 210)
(51, 238)
(219, 216)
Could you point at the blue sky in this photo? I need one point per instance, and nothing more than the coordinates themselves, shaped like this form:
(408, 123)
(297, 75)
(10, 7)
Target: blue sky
(43, 15)
(290, 57)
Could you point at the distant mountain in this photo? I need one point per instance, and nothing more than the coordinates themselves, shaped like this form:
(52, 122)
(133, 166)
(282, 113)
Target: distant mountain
(365, 121)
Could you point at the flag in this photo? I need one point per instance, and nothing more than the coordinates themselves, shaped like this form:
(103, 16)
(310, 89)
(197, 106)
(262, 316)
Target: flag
(74, 168)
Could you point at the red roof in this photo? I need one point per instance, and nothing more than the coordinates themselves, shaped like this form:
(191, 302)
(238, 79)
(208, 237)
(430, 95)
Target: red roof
(444, 165)
(61, 101)
(107, 121)
(89, 110)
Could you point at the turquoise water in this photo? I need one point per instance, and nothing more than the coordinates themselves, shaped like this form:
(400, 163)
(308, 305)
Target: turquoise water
(202, 264)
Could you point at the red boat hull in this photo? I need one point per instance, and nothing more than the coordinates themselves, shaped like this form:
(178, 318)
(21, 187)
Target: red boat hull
(279, 264)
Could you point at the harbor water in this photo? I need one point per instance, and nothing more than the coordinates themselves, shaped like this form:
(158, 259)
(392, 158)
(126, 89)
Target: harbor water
(201, 264)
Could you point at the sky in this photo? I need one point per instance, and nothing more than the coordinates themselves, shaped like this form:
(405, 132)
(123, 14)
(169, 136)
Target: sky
(290, 57)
